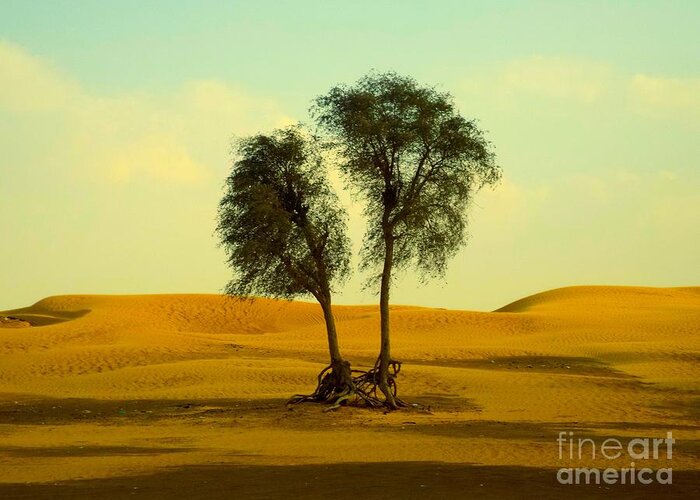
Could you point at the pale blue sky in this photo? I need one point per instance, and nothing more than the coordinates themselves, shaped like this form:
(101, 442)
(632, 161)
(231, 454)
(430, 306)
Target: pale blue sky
(293, 48)
(115, 120)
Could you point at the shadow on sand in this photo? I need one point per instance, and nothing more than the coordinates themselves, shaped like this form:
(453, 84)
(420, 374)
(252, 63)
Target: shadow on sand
(349, 480)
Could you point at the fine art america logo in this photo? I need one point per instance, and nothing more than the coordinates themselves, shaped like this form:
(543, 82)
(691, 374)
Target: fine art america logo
(585, 449)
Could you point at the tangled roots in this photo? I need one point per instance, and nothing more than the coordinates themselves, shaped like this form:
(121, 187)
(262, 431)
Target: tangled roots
(338, 384)
(335, 385)
(370, 383)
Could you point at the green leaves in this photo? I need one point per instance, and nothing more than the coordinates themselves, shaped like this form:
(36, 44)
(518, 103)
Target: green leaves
(279, 221)
(416, 162)
(404, 148)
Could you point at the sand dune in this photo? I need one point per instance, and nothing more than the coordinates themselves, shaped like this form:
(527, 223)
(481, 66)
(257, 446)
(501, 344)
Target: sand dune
(201, 379)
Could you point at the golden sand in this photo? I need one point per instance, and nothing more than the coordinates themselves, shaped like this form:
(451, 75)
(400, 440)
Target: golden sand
(118, 386)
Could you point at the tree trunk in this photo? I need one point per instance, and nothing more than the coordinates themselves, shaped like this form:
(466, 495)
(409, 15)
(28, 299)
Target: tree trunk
(385, 349)
(333, 348)
(341, 369)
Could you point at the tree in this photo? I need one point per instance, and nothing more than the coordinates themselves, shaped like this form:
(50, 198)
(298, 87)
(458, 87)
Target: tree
(417, 163)
(284, 233)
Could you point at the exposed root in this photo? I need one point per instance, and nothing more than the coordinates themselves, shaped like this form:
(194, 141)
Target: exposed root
(334, 383)
(339, 385)
(369, 383)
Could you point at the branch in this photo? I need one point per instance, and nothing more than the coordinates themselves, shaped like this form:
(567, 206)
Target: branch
(302, 277)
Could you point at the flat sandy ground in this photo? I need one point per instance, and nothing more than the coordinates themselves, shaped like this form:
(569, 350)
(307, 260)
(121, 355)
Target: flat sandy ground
(182, 396)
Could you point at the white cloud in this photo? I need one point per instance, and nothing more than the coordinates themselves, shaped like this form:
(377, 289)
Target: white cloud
(583, 81)
(28, 84)
(517, 81)
(179, 137)
(668, 175)
(156, 158)
(665, 94)
(510, 202)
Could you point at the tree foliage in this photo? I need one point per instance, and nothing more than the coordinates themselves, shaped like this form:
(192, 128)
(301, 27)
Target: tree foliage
(416, 162)
(279, 221)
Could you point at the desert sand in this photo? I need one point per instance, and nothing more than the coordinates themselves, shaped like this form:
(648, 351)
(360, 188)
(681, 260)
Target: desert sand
(163, 396)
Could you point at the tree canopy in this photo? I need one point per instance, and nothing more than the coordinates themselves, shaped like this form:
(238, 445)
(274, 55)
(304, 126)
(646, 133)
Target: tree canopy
(279, 221)
(416, 162)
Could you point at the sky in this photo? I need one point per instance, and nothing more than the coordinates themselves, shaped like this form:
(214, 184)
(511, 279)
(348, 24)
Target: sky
(116, 120)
